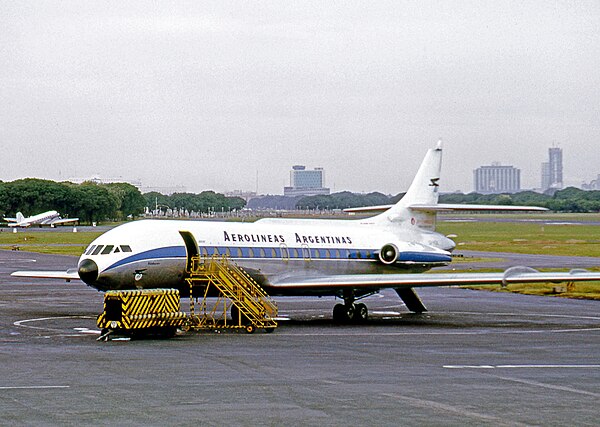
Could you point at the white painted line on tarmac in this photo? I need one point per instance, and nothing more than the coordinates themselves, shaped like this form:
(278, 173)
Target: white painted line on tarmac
(88, 331)
(522, 366)
(451, 409)
(33, 387)
(548, 386)
(523, 315)
(23, 323)
(531, 382)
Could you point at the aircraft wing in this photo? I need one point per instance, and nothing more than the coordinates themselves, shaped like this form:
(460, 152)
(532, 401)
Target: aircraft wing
(450, 207)
(381, 281)
(62, 221)
(70, 274)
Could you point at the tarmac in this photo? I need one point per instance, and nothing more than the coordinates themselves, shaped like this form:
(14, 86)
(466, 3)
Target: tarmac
(475, 358)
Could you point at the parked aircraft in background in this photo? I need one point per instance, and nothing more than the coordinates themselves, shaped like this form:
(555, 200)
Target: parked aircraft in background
(350, 259)
(51, 218)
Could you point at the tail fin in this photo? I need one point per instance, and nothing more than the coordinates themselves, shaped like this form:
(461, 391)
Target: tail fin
(20, 217)
(422, 191)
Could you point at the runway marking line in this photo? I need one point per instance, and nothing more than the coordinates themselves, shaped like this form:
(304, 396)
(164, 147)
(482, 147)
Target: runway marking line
(438, 406)
(522, 366)
(33, 387)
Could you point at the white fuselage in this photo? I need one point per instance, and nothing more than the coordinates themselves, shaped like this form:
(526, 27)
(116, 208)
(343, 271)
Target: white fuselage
(42, 218)
(152, 253)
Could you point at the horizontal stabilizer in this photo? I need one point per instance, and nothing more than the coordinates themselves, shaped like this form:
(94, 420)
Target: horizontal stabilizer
(457, 207)
(70, 274)
(450, 207)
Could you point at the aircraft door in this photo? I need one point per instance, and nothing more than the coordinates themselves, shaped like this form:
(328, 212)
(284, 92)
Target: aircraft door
(191, 247)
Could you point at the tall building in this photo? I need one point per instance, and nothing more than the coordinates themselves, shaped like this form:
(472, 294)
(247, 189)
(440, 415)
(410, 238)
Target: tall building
(305, 182)
(552, 170)
(497, 179)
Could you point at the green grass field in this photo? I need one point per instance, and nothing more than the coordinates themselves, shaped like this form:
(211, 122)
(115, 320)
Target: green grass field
(53, 242)
(531, 238)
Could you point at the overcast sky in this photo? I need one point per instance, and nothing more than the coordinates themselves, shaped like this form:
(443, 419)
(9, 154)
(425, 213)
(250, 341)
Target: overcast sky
(212, 95)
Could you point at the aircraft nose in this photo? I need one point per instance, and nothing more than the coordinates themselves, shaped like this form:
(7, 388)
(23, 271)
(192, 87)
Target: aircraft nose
(88, 271)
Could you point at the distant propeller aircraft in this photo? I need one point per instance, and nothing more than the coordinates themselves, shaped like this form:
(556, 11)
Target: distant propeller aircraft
(50, 218)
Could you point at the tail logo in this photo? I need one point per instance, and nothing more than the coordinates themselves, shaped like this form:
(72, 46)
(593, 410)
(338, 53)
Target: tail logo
(434, 184)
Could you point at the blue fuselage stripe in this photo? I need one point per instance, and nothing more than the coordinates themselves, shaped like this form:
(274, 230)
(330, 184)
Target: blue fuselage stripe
(279, 253)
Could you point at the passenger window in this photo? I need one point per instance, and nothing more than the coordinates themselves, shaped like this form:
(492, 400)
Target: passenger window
(262, 253)
(126, 248)
(107, 249)
(97, 250)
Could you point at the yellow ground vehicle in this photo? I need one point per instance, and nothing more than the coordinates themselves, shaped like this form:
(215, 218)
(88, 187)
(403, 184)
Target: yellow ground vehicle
(141, 312)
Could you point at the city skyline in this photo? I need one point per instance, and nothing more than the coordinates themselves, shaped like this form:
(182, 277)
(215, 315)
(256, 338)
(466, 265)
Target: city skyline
(222, 95)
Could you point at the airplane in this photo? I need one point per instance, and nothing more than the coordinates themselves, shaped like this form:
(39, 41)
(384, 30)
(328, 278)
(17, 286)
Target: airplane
(347, 258)
(51, 218)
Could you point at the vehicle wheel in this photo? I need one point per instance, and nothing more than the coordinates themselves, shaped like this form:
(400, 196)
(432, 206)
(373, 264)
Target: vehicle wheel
(361, 313)
(350, 312)
(250, 329)
(339, 313)
(169, 332)
(269, 330)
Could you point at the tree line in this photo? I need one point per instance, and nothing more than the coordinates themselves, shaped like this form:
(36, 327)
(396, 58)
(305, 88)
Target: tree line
(92, 202)
(205, 202)
(568, 200)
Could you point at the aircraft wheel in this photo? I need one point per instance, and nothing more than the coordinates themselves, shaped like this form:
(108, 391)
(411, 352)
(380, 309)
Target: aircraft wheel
(344, 313)
(339, 312)
(361, 313)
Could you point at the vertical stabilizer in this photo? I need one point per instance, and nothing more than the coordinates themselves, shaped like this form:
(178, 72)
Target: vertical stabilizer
(20, 217)
(422, 191)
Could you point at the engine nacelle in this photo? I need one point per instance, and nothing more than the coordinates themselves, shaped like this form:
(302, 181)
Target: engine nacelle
(388, 254)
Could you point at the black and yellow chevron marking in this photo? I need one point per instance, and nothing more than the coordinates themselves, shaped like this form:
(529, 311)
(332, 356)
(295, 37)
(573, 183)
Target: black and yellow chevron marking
(141, 309)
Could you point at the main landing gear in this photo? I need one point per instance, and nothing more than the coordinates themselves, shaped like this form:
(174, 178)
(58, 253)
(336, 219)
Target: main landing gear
(349, 311)
(346, 313)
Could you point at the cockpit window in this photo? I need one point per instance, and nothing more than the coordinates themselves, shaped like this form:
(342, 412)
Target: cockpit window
(97, 250)
(126, 248)
(117, 249)
(107, 249)
(90, 249)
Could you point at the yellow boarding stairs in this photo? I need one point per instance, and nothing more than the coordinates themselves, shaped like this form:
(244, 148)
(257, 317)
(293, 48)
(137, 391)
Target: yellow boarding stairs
(249, 304)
